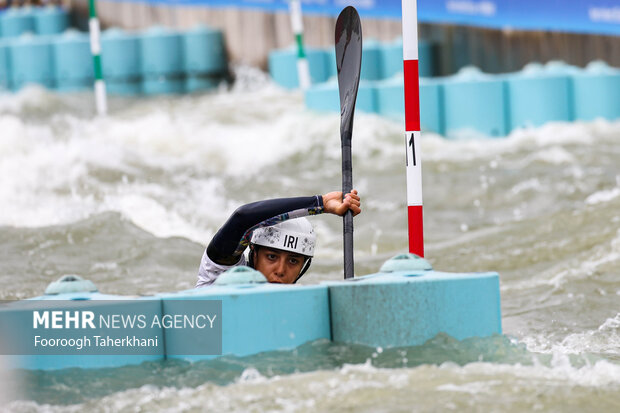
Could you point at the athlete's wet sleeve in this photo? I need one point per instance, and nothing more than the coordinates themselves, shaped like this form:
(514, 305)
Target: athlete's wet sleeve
(232, 239)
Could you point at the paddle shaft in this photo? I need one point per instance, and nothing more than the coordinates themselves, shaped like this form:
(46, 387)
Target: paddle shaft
(347, 185)
(348, 41)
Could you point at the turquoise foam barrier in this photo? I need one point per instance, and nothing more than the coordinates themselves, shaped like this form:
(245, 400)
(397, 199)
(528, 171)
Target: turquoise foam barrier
(331, 70)
(149, 307)
(407, 308)
(50, 20)
(474, 102)
(392, 58)
(431, 106)
(283, 66)
(426, 65)
(323, 97)
(391, 102)
(259, 317)
(31, 61)
(391, 98)
(204, 58)
(371, 61)
(161, 59)
(203, 51)
(163, 85)
(326, 98)
(73, 61)
(123, 87)
(16, 22)
(405, 304)
(5, 76)
(197, 83)
(596, 92)
(535, 97)
(120, 59)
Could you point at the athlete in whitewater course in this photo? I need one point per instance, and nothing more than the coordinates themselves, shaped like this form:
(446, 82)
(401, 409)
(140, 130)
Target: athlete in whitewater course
(280, 238)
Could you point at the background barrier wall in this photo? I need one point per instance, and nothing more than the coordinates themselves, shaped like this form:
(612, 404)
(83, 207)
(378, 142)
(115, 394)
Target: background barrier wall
(159, 60)
(251, 32)
(476, 103)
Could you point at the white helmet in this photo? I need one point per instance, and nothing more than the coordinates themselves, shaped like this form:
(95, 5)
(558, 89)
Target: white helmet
(294, 235)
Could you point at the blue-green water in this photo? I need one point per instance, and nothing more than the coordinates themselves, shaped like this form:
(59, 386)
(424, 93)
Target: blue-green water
(129, 201)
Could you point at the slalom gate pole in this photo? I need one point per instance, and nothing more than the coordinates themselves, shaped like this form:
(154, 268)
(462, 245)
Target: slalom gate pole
(95, 50)
(412, 127)
(303, 70)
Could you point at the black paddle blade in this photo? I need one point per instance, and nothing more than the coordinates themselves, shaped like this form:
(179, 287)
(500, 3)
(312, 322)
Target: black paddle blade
(348, 61)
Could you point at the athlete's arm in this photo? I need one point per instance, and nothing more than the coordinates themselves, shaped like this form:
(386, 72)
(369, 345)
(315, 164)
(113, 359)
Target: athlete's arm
(231, 240)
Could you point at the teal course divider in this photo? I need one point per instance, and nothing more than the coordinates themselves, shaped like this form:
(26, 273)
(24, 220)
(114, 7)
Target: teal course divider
(536, 96)
(15, 22)
(475, 104)
(283, 66)
(204, 58)
(120, 59)
(152, 62)
(5, 72)
(50, 20)
(161, 57)
(379, 61)
(31, 60)
(405, 304)
(596, 92)
(38, 20)
(74, 65)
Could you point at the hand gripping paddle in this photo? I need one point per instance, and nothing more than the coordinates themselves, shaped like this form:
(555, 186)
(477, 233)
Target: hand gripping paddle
(348, 62)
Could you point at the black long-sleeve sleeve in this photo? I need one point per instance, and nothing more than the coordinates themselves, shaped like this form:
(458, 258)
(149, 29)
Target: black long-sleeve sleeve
(234, 236)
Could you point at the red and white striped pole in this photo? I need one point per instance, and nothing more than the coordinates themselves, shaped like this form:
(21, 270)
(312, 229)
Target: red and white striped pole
(412, 127)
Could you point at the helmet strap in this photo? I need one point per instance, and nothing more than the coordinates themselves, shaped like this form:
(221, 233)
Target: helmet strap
(253, 252)
(304, 269)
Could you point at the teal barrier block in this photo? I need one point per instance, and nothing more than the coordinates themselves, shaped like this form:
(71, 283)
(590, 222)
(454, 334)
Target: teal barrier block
(160, 85)
(123, 87)
(391, 98)
(326, 98)
(199, 83)
(431, 106)
(331, 69)
(31, 61)
(407, 308)
(16, 22)
(50, 20)
(102, 304)
(391, 102)
(73, 61)
(371, 61)
(161, 52)
(366, 98)
(259, 317)
(5, 74)
(535, 97)
(323, 97)
(161, 59)
(426, 62)
(203, 51)
(120, 59)
(596, 92)
(474, 102)
(283, 66)
(392, 58)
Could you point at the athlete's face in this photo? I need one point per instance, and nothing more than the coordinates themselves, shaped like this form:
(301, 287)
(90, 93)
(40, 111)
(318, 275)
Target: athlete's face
(278, 266)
